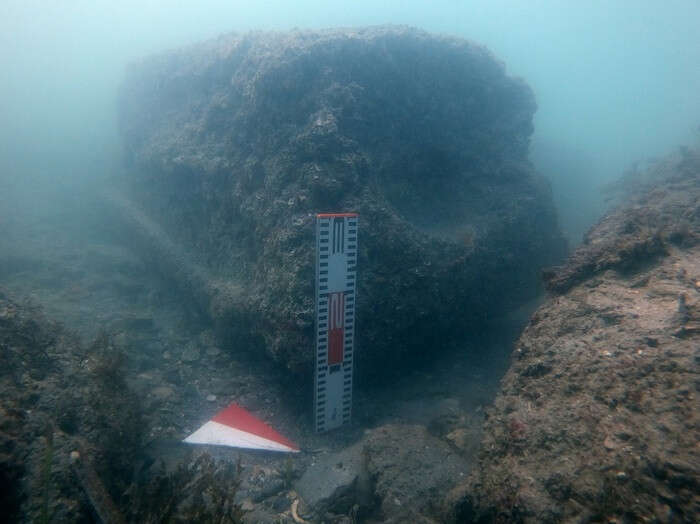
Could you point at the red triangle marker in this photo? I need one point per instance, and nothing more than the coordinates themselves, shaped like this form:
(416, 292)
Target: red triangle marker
(238, 428)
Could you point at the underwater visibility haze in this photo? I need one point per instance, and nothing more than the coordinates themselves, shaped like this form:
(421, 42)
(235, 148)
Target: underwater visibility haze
(505, 308)
(615, 83)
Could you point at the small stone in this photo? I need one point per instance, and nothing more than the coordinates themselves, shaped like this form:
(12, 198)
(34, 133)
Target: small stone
(609, 443)
(664, 512)
(163, 392)
(213, 351)
(190, 353)
(121, 339)
(621, 475)
(211, 398)
(460, 437)
(74, 457)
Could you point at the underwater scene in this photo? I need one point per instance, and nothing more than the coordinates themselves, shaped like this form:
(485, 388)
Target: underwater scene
(350, 262)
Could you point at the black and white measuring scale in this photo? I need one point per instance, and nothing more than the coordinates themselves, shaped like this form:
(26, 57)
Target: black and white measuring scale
(336, 293)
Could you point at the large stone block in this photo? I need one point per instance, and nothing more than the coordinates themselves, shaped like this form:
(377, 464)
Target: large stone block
(233, 144)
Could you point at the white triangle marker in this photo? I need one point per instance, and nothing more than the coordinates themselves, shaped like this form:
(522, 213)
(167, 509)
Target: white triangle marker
(238, 428)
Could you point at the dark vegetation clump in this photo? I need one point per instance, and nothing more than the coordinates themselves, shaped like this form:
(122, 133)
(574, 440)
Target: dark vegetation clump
(202, 490)
(106, 362)
(59, 397)
(71, 436)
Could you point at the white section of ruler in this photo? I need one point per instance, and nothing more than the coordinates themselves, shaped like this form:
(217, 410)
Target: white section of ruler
(336, 261)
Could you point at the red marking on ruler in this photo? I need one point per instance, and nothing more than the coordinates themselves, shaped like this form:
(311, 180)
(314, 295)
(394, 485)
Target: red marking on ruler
(336, 330)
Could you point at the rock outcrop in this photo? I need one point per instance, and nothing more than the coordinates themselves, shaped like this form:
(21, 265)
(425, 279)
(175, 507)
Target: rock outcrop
(235, 143)
(597, 419)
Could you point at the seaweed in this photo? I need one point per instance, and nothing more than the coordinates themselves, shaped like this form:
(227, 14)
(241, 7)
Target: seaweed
(288, 473)
(46, 475)
(98, 496)
(202, 491)
(107, 360)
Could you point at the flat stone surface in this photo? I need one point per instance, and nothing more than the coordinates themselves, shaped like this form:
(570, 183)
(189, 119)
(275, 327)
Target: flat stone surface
(163, 392)
(399, 470)
(330, 478)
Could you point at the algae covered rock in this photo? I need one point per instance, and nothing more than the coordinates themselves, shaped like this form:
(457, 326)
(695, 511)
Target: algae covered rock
(597, 419)
(234, 144)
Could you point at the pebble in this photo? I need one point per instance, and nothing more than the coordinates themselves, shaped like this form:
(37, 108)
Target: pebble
(211, 398)
(74, 457)
(163, 392)
(213, 351)
(609, 443)
(459, 437)
(190, 353)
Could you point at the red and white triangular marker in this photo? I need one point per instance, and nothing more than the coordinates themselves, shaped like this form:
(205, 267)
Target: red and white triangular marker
(238, 428)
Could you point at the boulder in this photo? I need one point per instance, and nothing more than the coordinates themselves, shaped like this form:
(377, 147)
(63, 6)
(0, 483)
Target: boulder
(597, 419)
(395, 473)
(232, 146)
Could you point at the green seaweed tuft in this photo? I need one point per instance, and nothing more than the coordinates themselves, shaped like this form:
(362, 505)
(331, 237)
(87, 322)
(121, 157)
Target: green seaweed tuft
(46, 475)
